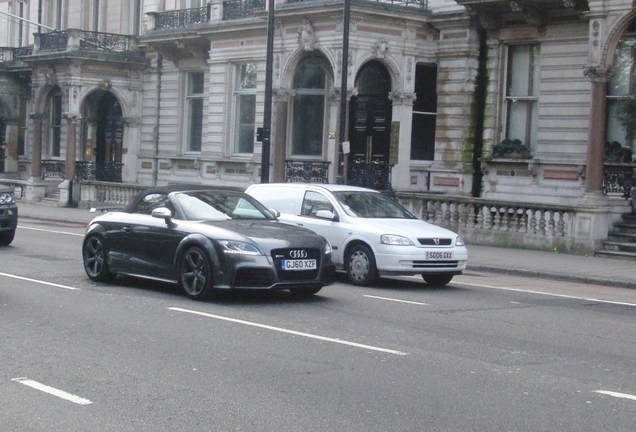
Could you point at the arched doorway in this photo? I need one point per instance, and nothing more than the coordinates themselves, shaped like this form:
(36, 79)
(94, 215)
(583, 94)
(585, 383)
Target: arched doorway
(370, 128)
(102, 137)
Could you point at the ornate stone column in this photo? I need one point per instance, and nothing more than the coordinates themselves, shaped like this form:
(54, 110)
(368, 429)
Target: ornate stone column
(36, 188)
(279, 145)
(36, 148)
(596, 131)
(11, 141)
(71, 146)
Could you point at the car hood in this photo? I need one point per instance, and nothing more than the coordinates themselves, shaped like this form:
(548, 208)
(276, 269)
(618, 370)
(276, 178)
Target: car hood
(411, 228)
(268, 234)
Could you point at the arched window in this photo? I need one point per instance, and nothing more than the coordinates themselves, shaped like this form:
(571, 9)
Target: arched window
(308, 110)
(621, 92)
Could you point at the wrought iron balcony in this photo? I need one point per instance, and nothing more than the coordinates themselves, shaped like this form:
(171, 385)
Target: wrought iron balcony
(306, 171)
(236, 9)
(74, 39)
(182, 18)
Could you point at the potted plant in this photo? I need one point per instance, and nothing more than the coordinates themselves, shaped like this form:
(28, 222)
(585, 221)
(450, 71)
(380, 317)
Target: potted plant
(511, 149)
(617, 153)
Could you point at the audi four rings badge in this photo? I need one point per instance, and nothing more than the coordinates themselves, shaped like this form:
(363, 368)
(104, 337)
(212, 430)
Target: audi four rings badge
(297, 253)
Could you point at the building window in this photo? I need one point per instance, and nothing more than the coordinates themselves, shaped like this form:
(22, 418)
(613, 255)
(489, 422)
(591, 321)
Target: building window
(424, 113)
(522, 93)
(194, 100)
(621, 92)
(308, 111)
(56, 125)
(245, 103)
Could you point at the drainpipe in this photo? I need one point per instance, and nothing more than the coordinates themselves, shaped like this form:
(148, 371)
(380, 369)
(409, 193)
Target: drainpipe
(481, 82)
(155, 166)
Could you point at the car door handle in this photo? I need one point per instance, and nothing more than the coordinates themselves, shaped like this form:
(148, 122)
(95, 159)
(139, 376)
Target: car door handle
(127, 229)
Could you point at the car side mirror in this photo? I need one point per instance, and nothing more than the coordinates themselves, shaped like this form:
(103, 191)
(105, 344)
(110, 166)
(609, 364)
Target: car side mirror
(275, 212)
(163, 213)
(325, 214)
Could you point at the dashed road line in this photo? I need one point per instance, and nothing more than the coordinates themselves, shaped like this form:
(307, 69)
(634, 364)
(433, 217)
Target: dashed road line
(293, 332)
(53, 391)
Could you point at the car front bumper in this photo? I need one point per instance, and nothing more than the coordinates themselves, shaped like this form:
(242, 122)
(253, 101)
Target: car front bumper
(406, 260)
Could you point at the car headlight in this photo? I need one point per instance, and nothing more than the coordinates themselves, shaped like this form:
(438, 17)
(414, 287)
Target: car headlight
(327, 248)
(231, 247)
(459, 241)
(6, 198)
(395, 240)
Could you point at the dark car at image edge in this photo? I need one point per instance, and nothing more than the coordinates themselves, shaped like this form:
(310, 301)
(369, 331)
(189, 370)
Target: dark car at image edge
(8, 215)
(206, 239)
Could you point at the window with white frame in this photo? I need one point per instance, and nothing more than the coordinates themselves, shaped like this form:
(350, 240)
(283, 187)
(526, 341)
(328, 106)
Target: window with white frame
(308, 111)
(522, 93)
(621, 92)
(194, 111)
(245, 108)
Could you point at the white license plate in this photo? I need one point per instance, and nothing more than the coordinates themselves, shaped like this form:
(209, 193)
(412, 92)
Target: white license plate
(309, 264)
(439, 255)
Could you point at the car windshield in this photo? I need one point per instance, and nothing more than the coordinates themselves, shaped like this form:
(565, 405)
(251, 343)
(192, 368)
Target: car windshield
(371, 205)
(219, 206)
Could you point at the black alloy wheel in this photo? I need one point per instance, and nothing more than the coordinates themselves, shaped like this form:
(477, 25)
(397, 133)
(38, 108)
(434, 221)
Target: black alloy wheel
(195, 274)
(438, 280)
(95, 254)
(360, 266)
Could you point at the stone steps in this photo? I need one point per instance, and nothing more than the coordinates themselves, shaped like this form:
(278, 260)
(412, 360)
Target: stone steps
(621, 240)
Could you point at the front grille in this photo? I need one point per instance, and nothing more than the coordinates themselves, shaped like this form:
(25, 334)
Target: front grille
(435, 241)
(435, 264)
(252, 277)
(296, 275)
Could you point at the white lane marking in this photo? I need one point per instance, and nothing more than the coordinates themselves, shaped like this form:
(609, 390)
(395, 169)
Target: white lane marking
(397, 300)
(53, 391)
(38, 281)
(293, 332)
(50, 231)
(547, 294)
(616, 395)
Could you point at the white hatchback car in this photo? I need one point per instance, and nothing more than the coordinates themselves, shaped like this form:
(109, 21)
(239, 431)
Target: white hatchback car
(370, 234)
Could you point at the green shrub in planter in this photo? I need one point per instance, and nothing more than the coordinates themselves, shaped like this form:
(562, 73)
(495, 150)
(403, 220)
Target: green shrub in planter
(511, 149)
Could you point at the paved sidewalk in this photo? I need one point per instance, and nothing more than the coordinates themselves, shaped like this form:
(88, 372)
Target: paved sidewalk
(522, 262)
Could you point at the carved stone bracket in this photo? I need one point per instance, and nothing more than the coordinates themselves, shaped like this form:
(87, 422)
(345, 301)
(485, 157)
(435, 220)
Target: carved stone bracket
(599, 73)
(380, 48)
(402, 98)
(131, 121)
(282, 93)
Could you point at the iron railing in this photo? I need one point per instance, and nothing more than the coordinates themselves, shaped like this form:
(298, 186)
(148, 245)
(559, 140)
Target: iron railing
(373, 175)
(107, 172)
(20, 52)
(54, 41)
(306, 171)
(103, 41)
(182, 18)
(422, 3)
(53, 169)
(619, 178)
(236, 9)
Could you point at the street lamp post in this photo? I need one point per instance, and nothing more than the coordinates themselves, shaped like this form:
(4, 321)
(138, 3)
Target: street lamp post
(267, 111)
(343, 84)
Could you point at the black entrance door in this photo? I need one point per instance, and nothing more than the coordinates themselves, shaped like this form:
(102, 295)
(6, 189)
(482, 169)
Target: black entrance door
(109, 137)
(370, 129)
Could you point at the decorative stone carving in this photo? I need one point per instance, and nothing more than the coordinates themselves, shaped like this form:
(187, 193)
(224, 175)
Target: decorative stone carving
(131, 121)
(380, 48)
(50, 76)
(282, 94)
(106, 85)
(306, 37)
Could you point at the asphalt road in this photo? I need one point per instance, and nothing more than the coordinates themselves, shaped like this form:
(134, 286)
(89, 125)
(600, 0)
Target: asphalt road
(487, 353)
